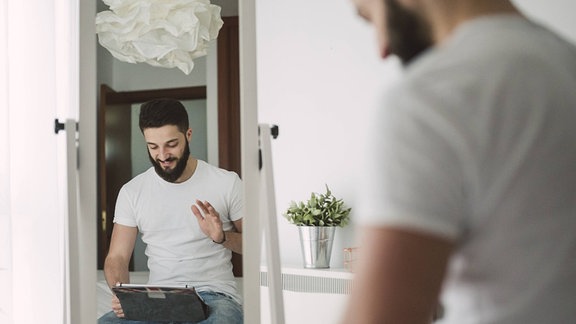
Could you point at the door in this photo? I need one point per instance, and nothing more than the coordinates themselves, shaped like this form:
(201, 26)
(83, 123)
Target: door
(114, 169)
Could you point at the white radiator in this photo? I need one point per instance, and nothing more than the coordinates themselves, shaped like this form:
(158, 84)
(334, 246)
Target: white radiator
(310, 295)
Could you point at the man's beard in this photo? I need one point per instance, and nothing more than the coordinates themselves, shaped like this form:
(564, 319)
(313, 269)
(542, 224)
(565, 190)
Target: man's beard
(409, 34)
(173, 174)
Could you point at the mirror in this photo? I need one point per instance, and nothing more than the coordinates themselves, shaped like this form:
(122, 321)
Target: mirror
(218, 96)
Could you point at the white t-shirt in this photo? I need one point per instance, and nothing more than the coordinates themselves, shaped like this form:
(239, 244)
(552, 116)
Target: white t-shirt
(477, 144)
(177, 249)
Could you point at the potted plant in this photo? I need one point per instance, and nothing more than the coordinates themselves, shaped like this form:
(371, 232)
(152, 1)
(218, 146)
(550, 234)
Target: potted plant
(317, 220)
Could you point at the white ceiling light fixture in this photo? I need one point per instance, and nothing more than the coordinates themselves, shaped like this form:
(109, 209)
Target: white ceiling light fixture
(164, 33)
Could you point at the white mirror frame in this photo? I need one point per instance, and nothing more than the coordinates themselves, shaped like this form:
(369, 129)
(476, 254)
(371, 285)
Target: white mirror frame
(83, 274)
(252, 234)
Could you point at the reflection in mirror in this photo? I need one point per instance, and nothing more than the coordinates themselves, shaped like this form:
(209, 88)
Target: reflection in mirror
(224, 94)
(123, 155)
(116, 146)
(123, 150)
(196, 110)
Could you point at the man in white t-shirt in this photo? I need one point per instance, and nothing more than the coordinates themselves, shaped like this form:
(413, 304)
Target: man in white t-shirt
(189, 215)
(470, 196)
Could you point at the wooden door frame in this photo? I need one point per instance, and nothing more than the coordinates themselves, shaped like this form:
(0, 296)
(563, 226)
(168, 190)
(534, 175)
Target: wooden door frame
(229, 154)
(229, 95)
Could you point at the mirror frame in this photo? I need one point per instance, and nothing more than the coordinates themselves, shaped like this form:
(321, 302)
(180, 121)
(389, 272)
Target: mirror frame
(83, 261)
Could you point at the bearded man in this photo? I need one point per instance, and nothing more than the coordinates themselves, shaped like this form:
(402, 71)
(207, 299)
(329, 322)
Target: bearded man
(189, 214)
(470, 199)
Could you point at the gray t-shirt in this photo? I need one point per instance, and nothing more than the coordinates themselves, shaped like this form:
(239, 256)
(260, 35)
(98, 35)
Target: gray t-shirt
(477, 144)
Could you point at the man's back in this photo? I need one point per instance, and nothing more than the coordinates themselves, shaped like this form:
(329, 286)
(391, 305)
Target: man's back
(481, 139)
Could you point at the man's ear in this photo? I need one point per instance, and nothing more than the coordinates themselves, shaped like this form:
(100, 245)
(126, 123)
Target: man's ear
(189, 134)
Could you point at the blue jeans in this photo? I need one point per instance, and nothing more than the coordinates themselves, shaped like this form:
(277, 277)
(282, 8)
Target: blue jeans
(222, 309)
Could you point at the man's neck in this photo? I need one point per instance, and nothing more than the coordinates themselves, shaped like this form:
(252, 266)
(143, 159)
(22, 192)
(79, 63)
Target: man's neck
(446, 15)
(191, 165)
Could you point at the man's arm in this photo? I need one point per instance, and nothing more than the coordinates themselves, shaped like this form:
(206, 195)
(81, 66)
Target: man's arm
(234, 238)
(118, 259)
(398, 278)
(119, 254)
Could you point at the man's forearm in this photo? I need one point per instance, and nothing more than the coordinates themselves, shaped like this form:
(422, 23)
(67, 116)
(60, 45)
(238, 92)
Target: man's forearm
(116, 270)
(233, 241)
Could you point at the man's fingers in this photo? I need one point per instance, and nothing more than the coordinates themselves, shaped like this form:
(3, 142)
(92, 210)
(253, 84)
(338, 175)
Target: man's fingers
(206, 207)
(119, 313)
(116, 307)
(202, 205)
(197, 212)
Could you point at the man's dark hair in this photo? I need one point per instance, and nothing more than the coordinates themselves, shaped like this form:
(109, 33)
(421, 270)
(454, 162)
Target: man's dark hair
(161, 112)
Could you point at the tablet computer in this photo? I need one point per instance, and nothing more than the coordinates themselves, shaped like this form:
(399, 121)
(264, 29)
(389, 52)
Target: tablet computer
(161, 303)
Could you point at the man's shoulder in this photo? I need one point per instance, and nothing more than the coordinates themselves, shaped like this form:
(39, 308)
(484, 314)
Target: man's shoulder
(482, 46)
(480, 55)
(213, 170)
(141, 179)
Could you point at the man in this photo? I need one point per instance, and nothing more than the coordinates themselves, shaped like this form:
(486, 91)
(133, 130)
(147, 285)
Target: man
(471, 200)
(188, 213)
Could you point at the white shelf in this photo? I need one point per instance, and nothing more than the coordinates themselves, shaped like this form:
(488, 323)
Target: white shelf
(336, 273)
(300, 279)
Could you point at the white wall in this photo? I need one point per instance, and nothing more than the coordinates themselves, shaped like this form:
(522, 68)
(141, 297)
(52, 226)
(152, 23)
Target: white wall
(556, 14)
(5, 220)
(38, 83)
(318, 73)
(129, 77)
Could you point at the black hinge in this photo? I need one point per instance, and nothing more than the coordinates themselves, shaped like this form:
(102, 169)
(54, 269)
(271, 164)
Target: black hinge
(274, 132)
(58, 126)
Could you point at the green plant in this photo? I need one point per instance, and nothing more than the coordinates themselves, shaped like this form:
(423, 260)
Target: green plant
(319, 210)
